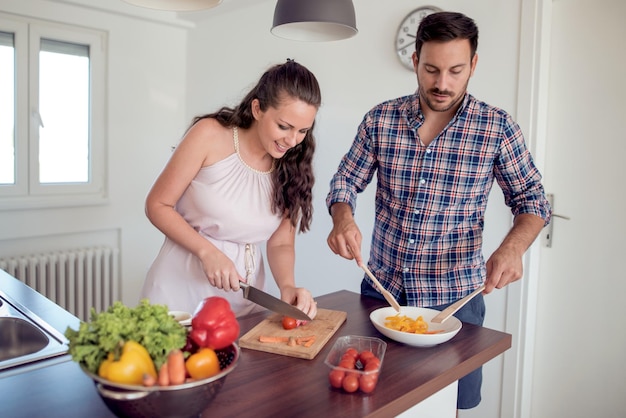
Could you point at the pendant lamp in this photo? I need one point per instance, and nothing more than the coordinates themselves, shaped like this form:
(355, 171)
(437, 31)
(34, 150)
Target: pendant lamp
(175, 5)
(314, 20)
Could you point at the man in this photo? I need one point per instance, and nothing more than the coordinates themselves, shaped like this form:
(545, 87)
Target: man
(436, 154)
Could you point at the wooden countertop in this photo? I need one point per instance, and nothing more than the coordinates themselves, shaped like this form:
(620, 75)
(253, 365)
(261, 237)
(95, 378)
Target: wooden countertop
(267, 385)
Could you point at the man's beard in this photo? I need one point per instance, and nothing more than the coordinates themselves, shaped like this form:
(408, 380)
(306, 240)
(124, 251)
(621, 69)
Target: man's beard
(442, 107)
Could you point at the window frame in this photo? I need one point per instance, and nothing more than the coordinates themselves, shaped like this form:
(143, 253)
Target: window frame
(27, 191)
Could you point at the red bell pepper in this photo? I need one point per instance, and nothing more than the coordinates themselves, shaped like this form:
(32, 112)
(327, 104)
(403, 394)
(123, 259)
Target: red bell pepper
(214, 325)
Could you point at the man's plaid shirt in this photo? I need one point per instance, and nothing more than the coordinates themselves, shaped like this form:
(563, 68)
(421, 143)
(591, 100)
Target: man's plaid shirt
(430, 201)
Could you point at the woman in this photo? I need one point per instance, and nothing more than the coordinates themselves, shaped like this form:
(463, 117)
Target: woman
(239, 178)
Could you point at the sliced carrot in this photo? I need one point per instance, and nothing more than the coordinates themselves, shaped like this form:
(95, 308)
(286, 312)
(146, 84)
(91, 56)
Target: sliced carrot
(176, 367)
(269, 339)
(303, 340)
(164, 376)
(291, 341)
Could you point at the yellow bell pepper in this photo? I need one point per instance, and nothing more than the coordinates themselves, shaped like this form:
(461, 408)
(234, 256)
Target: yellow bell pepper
(133, 363)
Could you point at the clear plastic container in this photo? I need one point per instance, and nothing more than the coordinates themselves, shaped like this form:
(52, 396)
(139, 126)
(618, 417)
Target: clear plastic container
(363, 377)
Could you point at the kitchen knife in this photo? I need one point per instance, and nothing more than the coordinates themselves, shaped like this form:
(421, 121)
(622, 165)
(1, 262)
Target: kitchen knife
(270, 302)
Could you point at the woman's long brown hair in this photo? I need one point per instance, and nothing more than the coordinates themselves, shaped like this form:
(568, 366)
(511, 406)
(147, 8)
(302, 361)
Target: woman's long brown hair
(292, 177)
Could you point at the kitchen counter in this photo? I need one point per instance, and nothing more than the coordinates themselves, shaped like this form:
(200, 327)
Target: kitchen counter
(267, 385)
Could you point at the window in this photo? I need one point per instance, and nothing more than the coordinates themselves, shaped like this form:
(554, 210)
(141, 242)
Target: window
(52, 101)
(7, 108)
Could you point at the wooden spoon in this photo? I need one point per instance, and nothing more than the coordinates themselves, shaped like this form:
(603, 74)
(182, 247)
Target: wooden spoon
(450, 310)
(388, 296)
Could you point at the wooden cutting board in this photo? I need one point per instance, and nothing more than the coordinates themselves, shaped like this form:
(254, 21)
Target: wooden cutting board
(323, 326)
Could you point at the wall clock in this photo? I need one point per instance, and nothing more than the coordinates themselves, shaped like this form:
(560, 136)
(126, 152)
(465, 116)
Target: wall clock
(405, 36)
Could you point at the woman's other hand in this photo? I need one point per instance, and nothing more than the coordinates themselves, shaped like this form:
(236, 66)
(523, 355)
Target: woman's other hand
(301, 298)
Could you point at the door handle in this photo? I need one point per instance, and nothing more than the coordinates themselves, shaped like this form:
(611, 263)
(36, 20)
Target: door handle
(549, 230)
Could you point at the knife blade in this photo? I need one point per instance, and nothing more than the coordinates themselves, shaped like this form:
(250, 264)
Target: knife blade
(272, 303)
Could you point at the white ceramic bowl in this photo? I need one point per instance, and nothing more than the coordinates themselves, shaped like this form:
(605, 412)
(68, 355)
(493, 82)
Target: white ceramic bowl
(449, 328)
(183, 318)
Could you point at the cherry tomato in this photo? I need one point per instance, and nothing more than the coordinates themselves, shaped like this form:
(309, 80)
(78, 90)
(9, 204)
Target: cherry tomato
(367, 383)
(347, 364)
(372, 364)
(203, 364)
(289, 323)
(352, 352)
(335, 377)
(365, 355)
(348, 358)
(350, 383)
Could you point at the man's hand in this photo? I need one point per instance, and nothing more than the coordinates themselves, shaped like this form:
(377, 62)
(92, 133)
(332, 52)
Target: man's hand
(345, 237)
(505, 265)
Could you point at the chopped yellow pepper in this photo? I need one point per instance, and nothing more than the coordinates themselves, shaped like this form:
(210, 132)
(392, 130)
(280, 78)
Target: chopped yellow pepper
(404, 323)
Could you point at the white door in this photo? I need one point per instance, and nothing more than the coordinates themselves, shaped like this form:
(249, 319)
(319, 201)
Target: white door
(580, 341)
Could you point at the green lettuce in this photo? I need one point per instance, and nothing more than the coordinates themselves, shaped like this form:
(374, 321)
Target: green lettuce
(149, 325)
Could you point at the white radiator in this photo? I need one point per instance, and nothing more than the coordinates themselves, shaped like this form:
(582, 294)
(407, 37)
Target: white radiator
(76, 280)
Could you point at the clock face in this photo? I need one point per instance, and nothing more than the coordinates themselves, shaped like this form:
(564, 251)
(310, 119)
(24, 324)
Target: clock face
(405, 38)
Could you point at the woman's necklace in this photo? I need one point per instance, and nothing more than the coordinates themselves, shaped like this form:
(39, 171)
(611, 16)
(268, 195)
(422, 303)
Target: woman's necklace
(236, 139)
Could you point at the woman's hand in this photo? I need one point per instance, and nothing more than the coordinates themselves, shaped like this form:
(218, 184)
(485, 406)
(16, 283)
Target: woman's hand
(221, 271)
(301, 298)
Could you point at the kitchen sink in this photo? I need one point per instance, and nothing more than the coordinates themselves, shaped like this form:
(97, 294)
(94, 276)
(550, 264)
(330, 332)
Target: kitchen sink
(25, 338)
(19, 338)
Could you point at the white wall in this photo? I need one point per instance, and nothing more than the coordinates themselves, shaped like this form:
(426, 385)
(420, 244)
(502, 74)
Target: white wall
(162, 73)
(147, 81)
(354, 75)
(156, 86)
(230, 48)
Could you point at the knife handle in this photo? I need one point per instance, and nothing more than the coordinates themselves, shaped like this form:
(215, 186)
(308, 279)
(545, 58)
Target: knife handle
(245, 288)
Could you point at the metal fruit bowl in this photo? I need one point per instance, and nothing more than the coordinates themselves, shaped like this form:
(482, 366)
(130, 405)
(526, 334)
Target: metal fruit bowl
(179, 401)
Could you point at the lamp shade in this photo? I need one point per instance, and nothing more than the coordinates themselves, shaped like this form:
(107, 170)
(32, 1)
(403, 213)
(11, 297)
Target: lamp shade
(175, 5)
(314, 20)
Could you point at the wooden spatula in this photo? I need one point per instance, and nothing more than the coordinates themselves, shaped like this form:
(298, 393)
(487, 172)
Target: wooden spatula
(388, 296)
(450, 310)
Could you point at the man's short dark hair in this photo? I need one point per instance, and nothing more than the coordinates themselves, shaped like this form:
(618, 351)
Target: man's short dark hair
(446, 26)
